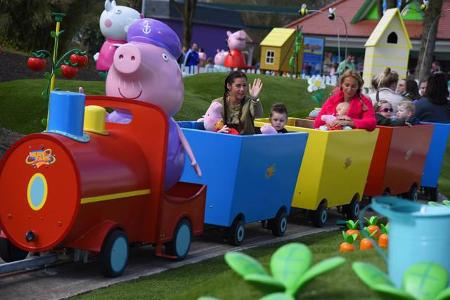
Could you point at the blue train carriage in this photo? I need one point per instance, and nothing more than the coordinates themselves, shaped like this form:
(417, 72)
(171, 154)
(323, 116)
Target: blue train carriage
(249, 178)
(435, 158)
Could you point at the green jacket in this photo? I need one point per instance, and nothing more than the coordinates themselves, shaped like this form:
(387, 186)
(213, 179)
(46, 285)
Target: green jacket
(251, 109)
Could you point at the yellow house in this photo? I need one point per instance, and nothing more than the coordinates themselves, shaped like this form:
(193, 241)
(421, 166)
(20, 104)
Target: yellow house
(387, 46)
(277, 49)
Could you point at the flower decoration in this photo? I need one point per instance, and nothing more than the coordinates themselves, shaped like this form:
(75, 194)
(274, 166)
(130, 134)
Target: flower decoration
(315, 83)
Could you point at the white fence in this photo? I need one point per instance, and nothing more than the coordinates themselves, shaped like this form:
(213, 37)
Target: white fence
(193, 70)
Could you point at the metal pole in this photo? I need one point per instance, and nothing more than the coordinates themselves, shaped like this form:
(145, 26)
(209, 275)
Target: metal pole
(346, 35)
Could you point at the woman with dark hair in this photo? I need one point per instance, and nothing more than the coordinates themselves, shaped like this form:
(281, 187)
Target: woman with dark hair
(412, 90)
(434, 106)
(360, 114)
(240, 110)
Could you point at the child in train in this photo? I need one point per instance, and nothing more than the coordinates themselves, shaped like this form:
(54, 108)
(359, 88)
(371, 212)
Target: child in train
(341, 110)
(278, 118)
(384, 110)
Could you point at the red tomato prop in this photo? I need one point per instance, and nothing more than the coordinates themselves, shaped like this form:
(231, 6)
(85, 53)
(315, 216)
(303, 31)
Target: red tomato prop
(81, 60)
(36, 63)
(68, 71)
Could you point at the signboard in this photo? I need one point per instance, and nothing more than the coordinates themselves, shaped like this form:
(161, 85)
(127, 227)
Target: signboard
(312, 55)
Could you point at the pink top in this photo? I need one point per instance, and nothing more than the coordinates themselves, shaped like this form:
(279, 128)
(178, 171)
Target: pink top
(361, 111)
(106, 55)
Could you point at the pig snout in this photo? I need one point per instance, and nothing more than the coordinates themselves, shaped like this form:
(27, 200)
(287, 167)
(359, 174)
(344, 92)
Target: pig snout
(127, 59)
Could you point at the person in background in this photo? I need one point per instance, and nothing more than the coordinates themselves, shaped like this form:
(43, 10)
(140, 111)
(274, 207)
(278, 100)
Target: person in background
(191, 59)
(387, 83)
(401, 87)
(405, 113)
(384, 116)
(412, 90)
(435, 67)
(422, 87)
(347, 64)
(180, 59)
(434, 105)
(360, 114)
(278, 117)
(201, 57)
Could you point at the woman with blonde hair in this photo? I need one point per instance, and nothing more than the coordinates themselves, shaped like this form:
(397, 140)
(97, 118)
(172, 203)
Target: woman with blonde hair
(387, 84)
(360, 114)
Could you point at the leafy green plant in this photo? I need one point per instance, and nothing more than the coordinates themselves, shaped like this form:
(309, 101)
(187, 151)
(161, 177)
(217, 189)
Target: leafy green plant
(444, 203)
(290, 266)
(421, 281)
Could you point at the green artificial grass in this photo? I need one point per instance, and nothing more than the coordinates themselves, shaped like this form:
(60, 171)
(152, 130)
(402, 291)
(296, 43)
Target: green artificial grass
(214, 278)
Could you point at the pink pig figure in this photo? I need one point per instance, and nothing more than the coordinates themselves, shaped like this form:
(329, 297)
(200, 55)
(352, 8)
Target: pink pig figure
(236, 43)
(220, 57)
(114, 23)
(146, 69)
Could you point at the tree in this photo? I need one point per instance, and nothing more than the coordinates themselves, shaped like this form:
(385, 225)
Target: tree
(428, 41)
(188, 15)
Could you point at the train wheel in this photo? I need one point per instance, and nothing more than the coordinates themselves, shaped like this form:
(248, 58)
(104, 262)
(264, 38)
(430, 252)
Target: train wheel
(320, 215)
(9, 252)
(114, 254)
(236, 232)
(279, 223)
(352, 209)
(182, 238)
(413, 193)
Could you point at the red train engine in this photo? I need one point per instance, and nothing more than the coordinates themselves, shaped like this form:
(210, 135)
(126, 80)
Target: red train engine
(97, 191)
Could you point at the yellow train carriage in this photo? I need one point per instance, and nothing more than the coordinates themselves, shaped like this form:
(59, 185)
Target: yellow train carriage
(334, 168)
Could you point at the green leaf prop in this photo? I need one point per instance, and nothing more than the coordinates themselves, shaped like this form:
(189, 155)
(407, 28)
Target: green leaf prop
(422, 281)
(392, 292)
(289, 263)
(265, 280)
(370, 274)
(207, 298)
(425, 280)
(243, 264)
(320, 268)
(289, 266)
(278, 296)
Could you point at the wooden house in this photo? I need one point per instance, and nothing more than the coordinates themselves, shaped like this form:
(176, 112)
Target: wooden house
(277, 49)
(387, 46)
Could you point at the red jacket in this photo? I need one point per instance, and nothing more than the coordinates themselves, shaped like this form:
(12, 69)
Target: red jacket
(361, 111)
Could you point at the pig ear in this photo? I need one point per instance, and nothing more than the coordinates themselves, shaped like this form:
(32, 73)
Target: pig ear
(108, 6)
(228, 33)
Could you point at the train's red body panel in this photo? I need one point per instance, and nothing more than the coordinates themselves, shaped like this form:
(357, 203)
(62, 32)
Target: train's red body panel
(63, 192)
(398, 160)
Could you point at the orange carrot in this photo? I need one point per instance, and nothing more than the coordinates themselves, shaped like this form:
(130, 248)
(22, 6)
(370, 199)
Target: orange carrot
(383, 239)
(366, 243)
(373, 227)
(347, 245)
(352, 228)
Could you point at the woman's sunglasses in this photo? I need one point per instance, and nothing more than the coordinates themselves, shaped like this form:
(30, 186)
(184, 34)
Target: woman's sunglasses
(386, 110)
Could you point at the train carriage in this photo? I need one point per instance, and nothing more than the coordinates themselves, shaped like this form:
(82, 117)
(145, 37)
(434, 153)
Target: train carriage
(333, 171)
(250, 178)
(398, 162)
